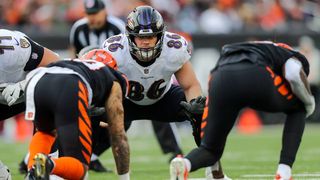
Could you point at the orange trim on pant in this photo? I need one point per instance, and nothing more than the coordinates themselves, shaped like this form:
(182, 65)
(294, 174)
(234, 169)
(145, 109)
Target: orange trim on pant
(84, 123)
(69, 168)
(41, 142)
(83, 89)
(282, 87)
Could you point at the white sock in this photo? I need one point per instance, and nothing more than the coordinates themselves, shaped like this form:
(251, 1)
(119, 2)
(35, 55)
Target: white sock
(284, 171)
(125, 176)
(187, 163)
(94, 157)
(215, 167)
(26, 158)
(54, 154)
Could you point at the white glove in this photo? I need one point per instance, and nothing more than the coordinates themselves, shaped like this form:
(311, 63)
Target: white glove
(11, 92)
(310, 107)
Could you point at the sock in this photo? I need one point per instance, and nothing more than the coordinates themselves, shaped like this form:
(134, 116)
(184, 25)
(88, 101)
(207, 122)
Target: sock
(125, 176)
(93, 157)
(40, 143)
(215, 167)
(69, 168)
(187, 163)
(284, 171)
(26, 158)
(54, 154)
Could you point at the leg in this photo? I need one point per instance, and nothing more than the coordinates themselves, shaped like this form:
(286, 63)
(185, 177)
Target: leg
(68, 106)
(74, 133)
(166, 137)
(215, 129)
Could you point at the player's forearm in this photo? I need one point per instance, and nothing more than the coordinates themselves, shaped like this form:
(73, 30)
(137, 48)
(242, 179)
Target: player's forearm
(193, 92)
(121, 152)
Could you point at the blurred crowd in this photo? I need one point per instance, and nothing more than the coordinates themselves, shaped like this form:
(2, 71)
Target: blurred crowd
(192, 16)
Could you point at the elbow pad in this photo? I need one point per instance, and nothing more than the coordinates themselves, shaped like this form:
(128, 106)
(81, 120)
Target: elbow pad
(292, 70)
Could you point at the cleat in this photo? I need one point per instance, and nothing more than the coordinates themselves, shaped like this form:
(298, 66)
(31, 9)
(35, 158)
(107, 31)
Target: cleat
(216, 174)
(98, 167)
(23, 169)
(278, 177)
(178, 169)
(42, 167)
(30, 175)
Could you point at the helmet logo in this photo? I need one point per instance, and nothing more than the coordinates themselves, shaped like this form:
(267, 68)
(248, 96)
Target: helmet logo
(130, 23)
(159, 23)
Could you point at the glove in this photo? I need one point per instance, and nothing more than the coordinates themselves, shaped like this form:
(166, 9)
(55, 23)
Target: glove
(11, 92)
(193, 110)
(195, 106)
(310, 107)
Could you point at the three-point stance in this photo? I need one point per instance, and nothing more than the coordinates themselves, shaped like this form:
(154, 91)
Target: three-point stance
(58, 99)
(262, 75)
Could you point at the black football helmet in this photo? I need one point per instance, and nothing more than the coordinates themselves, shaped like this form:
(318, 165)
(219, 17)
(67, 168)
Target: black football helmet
(141, 22)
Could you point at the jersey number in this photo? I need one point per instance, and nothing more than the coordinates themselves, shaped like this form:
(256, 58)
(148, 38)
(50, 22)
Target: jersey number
(3, 47)
(136, 90)
(114, 46)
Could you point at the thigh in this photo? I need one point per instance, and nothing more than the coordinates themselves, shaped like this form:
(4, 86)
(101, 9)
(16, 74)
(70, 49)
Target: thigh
(274, 94)
(66, 110)
(73, 123)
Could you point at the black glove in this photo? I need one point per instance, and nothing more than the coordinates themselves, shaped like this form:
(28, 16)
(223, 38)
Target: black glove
(194, 110)
(195, 106)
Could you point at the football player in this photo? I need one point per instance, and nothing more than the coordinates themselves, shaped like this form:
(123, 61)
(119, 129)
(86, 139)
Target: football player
(149, 56)
(74, 86)
(19, 55)
(261, 75)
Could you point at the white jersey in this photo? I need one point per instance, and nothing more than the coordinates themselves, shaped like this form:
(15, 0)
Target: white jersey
(149, 84)
(15, 52)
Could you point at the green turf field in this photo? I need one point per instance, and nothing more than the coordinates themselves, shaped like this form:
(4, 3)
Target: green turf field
(246, 156)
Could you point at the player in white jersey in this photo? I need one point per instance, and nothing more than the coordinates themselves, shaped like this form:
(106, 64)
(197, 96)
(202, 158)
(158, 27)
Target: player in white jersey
(18, 55)
(150, 56)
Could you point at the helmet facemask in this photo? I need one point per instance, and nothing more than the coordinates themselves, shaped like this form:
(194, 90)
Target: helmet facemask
(146, 54)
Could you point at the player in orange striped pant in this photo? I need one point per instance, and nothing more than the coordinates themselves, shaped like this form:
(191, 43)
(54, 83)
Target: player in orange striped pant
(58, 98)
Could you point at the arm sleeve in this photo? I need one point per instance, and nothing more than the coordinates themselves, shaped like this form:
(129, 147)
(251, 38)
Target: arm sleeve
(36, 55)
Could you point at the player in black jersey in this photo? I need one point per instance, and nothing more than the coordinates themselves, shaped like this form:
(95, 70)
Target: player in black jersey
(88, 33)
(261, 75)
(58, 99)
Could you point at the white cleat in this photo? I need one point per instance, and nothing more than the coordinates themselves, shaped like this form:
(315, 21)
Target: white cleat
(278, 177)
(209, 175)
(178, 169)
